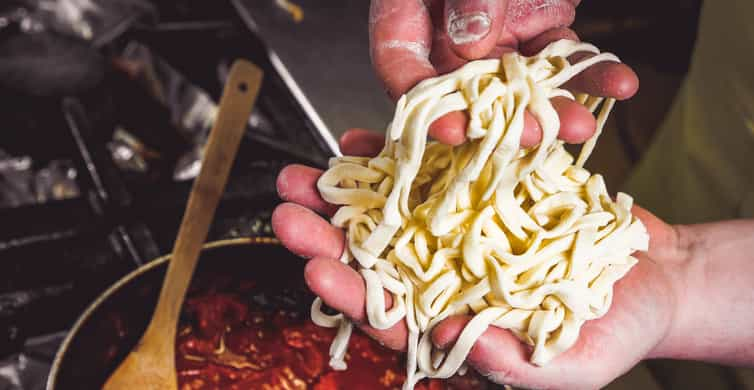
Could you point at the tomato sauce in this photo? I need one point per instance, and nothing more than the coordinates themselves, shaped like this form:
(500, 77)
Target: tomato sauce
(228, 341)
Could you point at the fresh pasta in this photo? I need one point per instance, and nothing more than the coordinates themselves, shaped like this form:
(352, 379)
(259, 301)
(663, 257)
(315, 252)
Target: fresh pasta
(523, 239)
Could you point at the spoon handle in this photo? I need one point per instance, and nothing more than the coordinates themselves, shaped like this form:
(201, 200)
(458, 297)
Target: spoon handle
(239, 95)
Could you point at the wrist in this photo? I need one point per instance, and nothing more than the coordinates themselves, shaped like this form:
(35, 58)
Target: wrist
(712, 284)
(678, 265)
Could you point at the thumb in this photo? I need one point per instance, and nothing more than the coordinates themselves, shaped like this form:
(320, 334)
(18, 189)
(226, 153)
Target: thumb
(473, 26)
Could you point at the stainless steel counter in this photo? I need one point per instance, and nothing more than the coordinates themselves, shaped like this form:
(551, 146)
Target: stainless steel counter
(327, 55)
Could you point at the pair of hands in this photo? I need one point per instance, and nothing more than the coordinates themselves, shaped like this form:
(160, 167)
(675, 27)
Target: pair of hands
(634, 328)
(414, 40)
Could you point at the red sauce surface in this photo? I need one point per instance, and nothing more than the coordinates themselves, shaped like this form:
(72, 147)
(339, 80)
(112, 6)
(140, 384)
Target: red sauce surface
(226, 342)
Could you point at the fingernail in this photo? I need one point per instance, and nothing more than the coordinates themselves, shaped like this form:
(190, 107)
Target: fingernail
(468, 27)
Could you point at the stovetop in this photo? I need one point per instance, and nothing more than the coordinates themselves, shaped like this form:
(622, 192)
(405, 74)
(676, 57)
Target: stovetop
(57, 255)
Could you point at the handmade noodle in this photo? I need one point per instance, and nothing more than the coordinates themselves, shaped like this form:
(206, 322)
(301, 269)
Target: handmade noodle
(523, 239)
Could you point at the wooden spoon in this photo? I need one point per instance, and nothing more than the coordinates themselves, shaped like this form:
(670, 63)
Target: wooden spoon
(151, 364)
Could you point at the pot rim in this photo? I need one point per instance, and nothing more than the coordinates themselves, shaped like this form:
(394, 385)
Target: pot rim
(86, 314)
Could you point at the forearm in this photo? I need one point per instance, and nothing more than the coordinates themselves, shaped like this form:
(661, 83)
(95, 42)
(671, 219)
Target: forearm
(714, 319)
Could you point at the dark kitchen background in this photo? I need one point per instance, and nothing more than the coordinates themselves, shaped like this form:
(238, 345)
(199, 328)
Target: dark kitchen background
(104, 107)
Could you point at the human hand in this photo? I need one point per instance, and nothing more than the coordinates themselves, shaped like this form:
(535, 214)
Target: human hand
(414, 40)
(633, 329)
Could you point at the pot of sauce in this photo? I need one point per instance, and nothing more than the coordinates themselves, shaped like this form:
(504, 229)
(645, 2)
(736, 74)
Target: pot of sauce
(244, 325)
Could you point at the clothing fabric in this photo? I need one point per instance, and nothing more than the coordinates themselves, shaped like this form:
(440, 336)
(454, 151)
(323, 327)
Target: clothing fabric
(699, 167)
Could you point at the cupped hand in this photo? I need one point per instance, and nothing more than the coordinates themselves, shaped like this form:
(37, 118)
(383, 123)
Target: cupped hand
(417, 39)
(633, 329)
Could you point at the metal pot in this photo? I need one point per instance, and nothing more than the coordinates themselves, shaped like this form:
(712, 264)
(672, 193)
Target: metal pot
(113, 323)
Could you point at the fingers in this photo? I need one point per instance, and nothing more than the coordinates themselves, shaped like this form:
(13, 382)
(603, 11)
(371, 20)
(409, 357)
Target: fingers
(536, 44)
(606, 79)
(497, 354)
(442, 56)
(473, 26)
(527, 19)
(502, 358)
(577, 124)
(532, 134)
(400, 36)
(450, 128)
(298, 184)
(305, 233)
(342, 288)
(361, 142)
(448, 56)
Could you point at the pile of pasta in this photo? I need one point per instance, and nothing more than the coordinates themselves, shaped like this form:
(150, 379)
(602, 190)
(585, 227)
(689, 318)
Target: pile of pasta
(523, 239)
